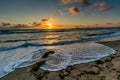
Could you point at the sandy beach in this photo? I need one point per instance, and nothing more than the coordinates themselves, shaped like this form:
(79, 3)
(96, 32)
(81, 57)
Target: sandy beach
(107, 68)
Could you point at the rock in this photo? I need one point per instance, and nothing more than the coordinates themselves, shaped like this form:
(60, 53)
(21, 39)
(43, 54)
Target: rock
(102, 78)
(42, 60)
(109, 64)
(99, 62)
(108, 59)
(64, 73)
(45, 55)
(118, 77)
(36, 66)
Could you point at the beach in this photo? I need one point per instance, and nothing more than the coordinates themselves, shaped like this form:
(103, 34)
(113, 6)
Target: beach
(107, 68)
(59, 40)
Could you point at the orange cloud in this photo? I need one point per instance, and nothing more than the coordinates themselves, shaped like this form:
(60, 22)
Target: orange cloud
(101, 4)
(73, 10)
(66, 1)
(103, 9)
(46, 20)
(85, 2)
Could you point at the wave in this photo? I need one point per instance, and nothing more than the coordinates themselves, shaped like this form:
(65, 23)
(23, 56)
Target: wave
(25, 60)
(89, 39)
(99, 34)
(7, 41)
(54, 30)
(77, 53)
(64, 56)
(33, 31)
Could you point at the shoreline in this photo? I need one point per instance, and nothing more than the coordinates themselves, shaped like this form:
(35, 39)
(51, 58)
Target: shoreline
(106, 68)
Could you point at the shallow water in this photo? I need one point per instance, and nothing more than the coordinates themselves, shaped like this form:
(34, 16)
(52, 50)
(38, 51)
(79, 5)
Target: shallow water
(23, 48)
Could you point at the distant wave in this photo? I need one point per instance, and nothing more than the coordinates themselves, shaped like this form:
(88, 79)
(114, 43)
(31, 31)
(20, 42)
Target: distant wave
(98, 34)
(32, 31)
(16, 40)
(90, 39)
(55, 30)
(87, 37)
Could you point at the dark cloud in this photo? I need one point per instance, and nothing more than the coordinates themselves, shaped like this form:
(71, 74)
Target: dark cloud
(47, 20)
(85, 2)
(74, 10)
(35, 24)
(20, 26)
(15, 26)
(44, 20)
(3, 24)
(96, 24)
(109, 23)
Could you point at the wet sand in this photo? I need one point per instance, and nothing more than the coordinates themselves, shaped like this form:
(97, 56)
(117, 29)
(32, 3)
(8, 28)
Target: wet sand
(107, 68)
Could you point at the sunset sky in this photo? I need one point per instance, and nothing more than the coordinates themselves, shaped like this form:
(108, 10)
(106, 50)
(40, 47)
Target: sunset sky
(61, 12)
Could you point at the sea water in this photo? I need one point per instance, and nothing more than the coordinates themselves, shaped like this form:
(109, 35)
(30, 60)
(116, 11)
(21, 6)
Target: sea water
(20, 48)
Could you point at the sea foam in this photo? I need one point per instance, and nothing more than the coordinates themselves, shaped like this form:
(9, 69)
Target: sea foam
(76, 54)
(64, 56)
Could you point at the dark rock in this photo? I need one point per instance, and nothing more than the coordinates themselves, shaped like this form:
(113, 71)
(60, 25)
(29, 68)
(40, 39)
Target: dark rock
(102, 78)
(64, 72)
(42, 61)
(36, 66)
(91, 72)
(118, 77)
(108, 59)
(47, 54)
(109, 64)
(99, 62)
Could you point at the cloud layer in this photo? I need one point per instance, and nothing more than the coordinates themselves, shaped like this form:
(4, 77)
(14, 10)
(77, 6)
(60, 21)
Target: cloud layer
(85, 2)
(101, 6)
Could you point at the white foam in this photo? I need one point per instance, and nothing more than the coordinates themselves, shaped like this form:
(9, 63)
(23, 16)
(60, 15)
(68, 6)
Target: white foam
(57, 61)
(64, 56)
(18, 60)
(78, 53)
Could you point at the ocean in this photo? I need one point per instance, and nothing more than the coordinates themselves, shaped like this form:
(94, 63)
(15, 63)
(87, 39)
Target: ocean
(21, 48)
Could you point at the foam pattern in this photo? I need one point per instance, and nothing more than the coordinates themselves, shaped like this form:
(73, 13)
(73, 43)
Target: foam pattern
(64, 56)
(68, 55)
(57, 61)
(19, 61)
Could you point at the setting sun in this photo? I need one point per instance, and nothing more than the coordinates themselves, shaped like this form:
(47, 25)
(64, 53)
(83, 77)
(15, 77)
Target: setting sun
(49, 26)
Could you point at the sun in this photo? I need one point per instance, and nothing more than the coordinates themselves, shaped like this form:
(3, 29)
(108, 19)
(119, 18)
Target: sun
(49, 26)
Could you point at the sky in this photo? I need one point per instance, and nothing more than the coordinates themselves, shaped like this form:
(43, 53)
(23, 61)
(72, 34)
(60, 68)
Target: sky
(98, 13)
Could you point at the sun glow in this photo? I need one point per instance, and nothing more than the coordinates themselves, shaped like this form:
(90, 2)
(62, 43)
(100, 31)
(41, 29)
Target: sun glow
(49, 26)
